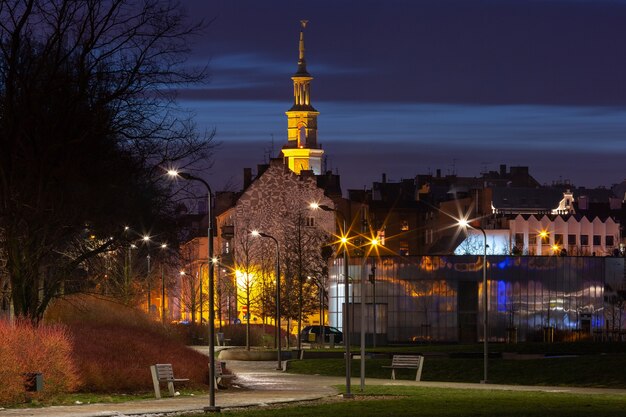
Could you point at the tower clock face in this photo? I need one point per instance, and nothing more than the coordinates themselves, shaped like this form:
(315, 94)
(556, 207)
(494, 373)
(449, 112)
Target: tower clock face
(301, 164)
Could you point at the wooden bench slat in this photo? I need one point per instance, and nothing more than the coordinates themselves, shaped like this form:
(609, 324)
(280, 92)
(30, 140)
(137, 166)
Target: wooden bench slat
(406, 362)
(163, 372)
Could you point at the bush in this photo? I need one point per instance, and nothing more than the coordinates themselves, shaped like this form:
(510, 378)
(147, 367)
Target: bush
(26, 348)
(114, 346)
(260, 334)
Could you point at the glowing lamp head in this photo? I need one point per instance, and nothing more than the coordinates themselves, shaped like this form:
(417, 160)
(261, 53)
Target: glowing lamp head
(163, 245)
(374, 242)
(255, 233)
(343, 240)
(555, 248)
(172, 173)
(182, 272)
(214, 260)
(314, 206)
(543, 233)
(146, 238)
(463, 223)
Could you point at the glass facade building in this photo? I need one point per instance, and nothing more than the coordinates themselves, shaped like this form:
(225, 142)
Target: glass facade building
(439, 298)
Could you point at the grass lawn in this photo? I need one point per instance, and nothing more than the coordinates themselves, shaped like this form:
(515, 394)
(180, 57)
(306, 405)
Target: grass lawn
(423, 402)
(602, 371)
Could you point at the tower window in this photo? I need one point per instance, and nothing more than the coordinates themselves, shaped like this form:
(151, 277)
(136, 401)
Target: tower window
(310, 222)
(301, 136)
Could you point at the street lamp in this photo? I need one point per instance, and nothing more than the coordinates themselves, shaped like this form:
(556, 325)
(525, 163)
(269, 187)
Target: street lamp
(189, 177)
(346, 283)
(265, 235)
(465, 224)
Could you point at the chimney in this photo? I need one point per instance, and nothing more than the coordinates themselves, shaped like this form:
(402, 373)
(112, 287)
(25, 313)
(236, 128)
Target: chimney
(384, 178)
(502, 170)
(438, 173)
(247, 177)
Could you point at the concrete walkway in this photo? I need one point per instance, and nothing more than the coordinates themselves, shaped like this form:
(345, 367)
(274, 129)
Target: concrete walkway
(261, 384)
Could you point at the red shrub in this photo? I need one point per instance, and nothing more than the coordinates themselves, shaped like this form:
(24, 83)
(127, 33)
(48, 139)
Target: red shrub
(114, 347)
(45, 349)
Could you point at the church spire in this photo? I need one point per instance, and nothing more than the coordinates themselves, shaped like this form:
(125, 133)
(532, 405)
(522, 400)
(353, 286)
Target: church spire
(302, 151)
(301, 61)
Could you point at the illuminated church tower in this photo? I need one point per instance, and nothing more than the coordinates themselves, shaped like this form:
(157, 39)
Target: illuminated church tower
(302, 151)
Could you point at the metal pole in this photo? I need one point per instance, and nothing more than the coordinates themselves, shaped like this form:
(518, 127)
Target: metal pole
(211, 407)
(362, 330)
(485, 311)
(346, 295)
(374, 297)
(162, 295)
(279, 364)
(346, 298)
(149, 286)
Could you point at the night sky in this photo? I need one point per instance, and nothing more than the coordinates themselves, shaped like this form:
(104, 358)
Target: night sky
(405, 87)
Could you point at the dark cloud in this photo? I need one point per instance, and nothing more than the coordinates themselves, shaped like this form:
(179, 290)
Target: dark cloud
(488, 52)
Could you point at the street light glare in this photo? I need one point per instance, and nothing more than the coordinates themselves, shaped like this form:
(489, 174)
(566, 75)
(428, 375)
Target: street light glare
(463, 223)
(314, 206)
(255, 233)
(172, 173)
(146, 238)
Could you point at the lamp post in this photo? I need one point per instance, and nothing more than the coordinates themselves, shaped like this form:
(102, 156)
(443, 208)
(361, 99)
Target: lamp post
(268, 236)
(346, 295)
(464, 223)
(189, 177)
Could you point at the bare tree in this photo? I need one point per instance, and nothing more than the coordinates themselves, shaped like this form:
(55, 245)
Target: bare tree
(303, 258)
(247, 271)
(87, 112)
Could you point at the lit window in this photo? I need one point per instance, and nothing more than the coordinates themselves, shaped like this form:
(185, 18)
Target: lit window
(404, 225)
(381, 237)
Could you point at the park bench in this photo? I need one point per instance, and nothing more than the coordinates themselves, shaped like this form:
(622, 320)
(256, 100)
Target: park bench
(219, 373)
(406, 362)
(163, 372)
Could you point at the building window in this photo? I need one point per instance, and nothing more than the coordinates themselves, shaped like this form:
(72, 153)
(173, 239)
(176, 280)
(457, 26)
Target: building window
(545, 238)
(609, 241)
(532, 239)
(558, 239)
(519, 240)
(584, 240)
(381, 237)
(597, 240)
(404, 225)
(310, 222)
(226, 247)
(404, 248)
(571, 239)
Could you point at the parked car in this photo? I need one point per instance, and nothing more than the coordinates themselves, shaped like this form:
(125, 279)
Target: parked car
(307, 334)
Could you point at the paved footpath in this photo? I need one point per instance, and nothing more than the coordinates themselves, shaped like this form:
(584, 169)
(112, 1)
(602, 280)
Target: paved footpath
(261, 385)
